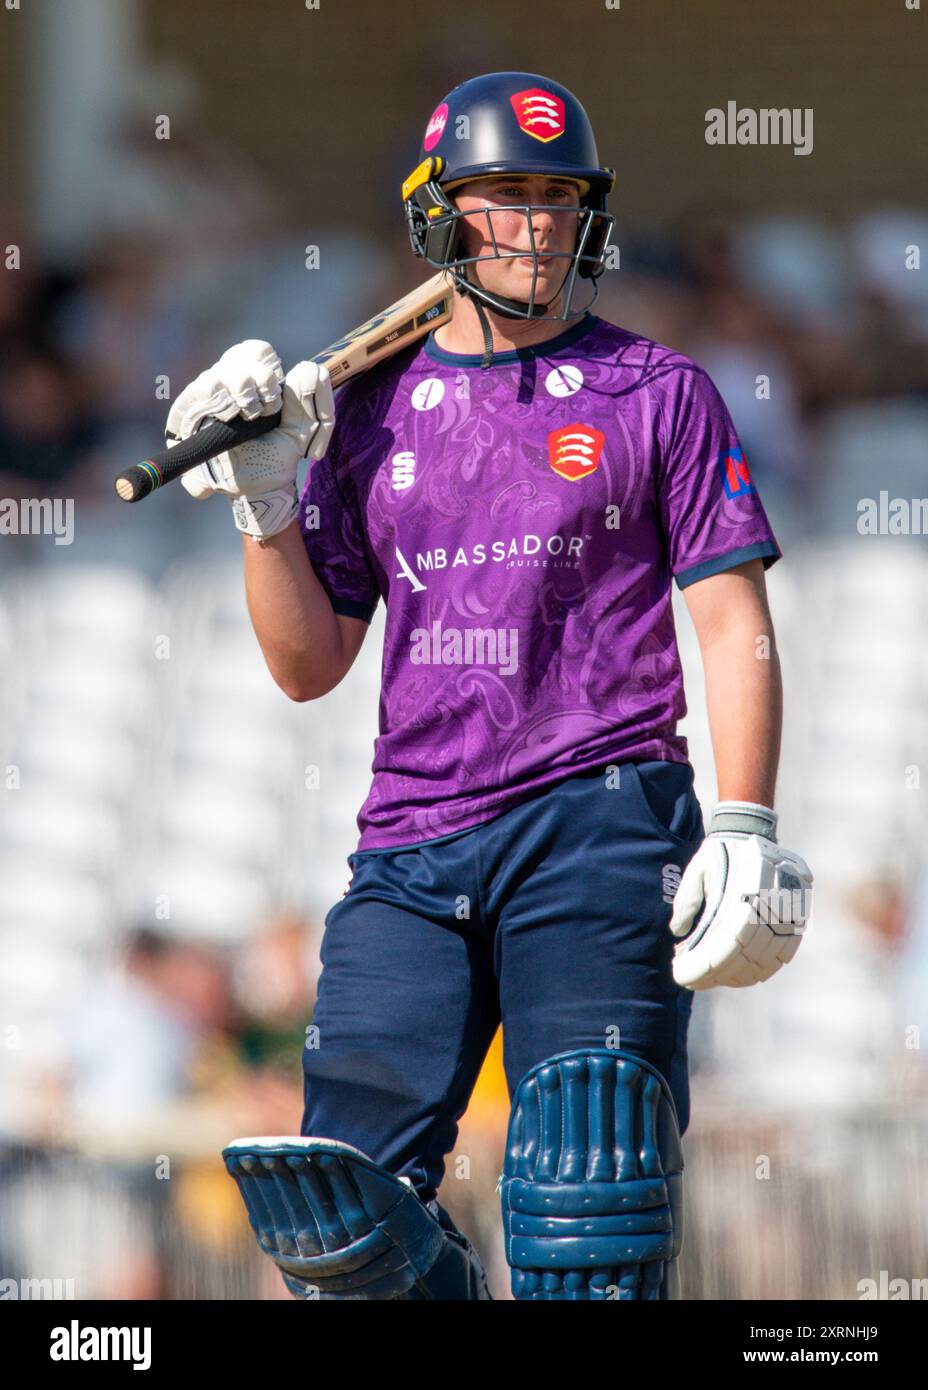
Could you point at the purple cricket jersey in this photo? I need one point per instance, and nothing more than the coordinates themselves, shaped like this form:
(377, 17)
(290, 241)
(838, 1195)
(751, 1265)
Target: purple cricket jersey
(522, 524)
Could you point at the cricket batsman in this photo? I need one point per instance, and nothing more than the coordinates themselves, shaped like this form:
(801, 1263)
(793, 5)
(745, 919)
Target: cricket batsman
(520, 488)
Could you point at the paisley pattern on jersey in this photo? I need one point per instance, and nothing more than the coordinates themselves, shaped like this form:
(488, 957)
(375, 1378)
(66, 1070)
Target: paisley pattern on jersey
(529, 630)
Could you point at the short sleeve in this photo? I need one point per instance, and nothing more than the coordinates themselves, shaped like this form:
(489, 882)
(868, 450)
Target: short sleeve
(710, 510)
(333, 534)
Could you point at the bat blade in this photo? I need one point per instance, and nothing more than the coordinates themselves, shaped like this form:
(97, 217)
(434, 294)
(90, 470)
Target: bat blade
(417, 313)
(388, 332)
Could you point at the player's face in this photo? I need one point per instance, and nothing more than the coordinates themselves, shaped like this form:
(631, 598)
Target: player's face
(490, 218)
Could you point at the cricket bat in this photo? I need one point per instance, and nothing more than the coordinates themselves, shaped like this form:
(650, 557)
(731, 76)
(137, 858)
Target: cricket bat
(411, 317)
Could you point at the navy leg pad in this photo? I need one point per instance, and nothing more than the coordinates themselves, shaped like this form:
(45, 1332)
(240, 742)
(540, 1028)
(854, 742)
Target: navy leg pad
(336, 1223)
(592, 1184)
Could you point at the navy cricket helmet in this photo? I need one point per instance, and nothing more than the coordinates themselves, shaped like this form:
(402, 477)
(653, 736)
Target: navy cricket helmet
(509, 123)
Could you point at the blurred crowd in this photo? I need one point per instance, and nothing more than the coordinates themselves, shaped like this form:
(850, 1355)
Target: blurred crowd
(121, 1107)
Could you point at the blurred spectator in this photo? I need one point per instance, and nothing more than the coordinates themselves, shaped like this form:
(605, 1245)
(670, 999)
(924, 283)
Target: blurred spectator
(124, 328)
(893, 916)
(132, 1042)
(45, 428)
(274, 980)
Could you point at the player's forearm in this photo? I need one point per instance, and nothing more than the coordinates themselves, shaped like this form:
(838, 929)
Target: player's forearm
(292, 616)
(744, 694)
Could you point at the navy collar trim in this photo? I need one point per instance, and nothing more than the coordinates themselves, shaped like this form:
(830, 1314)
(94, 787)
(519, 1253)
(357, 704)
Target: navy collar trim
(504, 359)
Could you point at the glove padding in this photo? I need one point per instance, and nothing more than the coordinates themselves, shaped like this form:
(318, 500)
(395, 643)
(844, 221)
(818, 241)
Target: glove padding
(259, 477)
(756, 901)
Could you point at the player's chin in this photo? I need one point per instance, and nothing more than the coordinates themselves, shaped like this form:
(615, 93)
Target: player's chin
(550, 278)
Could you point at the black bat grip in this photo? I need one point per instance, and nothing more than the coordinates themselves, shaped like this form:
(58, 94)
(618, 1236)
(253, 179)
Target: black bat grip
(212, 438)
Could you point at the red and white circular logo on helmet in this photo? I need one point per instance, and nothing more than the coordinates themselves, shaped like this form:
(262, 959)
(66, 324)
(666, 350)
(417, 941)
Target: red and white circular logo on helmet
(436, 126)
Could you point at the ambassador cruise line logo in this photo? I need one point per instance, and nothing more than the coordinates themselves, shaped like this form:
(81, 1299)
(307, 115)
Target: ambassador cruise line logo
(529, 550)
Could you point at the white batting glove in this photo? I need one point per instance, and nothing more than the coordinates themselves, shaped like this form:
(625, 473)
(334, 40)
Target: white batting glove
(258, 477)
(754, 900)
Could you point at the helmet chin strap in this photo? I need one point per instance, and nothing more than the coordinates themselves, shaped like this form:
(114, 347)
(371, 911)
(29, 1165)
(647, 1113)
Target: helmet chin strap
(506, 308)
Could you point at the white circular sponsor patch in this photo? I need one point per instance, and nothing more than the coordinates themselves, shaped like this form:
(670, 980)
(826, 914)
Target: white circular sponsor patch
(428, 393)
(564, 381)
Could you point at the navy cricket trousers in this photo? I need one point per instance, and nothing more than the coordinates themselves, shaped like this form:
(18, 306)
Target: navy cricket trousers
(552, 918)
